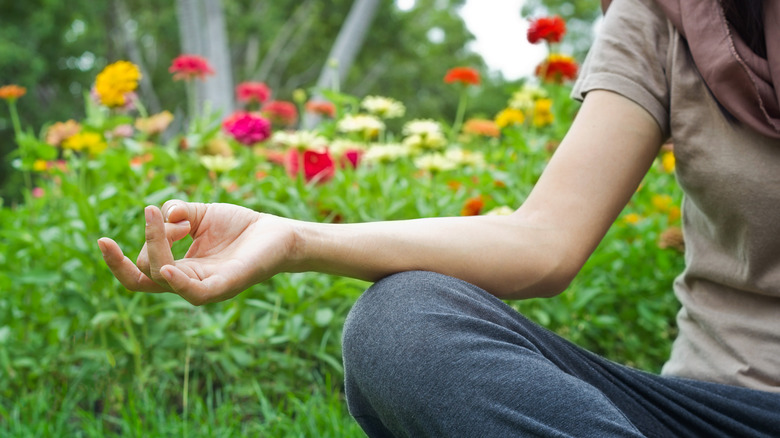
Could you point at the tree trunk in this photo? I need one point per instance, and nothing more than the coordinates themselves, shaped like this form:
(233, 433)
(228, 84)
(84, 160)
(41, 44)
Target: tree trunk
(346, 47)
(202, 31)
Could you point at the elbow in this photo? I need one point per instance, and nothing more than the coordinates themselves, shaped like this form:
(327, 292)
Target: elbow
(544, 275)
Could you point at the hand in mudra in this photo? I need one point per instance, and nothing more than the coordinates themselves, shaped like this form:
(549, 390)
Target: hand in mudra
(233, 248)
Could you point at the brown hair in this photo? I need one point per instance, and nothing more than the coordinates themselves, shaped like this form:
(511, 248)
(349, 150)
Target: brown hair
(747, 17)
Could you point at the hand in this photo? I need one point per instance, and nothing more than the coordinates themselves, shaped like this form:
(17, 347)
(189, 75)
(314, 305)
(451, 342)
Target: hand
(232, 248)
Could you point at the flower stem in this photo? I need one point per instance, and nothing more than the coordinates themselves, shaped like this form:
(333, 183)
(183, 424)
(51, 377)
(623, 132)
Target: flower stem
(459, 115)
(17, 135)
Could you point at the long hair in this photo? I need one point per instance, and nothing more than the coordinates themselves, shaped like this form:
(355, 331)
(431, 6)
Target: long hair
(747, 17)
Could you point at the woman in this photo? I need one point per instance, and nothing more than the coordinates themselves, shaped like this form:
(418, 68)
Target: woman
(430, 350)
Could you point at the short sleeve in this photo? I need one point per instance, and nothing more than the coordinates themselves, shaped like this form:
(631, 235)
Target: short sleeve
(629, 58)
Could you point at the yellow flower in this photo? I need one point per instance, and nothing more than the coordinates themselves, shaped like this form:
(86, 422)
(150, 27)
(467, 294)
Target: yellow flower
(509, 116)
(661, 202)
(90, 141)
(115, 81)
(40, 165)
(218, 163)
(542, 114)
(668, 161)
(632, 218)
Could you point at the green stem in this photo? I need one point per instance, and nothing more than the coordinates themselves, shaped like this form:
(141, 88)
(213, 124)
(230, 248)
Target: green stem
(459, 115)
(17, 134)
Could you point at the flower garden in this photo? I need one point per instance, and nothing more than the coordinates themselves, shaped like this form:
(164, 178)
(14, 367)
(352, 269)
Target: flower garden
(82, 356)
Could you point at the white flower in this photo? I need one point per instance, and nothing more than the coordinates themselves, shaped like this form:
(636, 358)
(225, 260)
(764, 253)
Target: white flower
(434, 162)
(423, 127)
(503, 210)
(218, 163)
(383, 107)
(308, 140)
(386, 153)
(366, 125)
(432, 140)
(465, 157)
(524, 98)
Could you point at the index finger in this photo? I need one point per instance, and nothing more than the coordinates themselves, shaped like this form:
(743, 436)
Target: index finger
(157, 247)
(124, 270)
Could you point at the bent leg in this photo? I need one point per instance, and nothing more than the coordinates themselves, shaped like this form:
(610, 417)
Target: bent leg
(430, 355)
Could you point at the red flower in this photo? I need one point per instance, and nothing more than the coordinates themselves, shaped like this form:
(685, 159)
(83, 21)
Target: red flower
(464, 75)
(557, 68)
(317, 166)
(281, 112)
(323, 108)
(472, 206)
(252, 92)
(247, 128)
(188, 67)
(550, 29)
(352, 158)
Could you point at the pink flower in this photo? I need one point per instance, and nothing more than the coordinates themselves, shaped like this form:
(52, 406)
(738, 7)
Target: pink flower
(247, 128)
(252, 92)
(188, 67)
(38, 192)
(281, 112)
(317, 165)
(351, 157)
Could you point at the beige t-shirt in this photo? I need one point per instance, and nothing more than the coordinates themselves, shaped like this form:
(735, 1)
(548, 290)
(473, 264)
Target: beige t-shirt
(729, 324)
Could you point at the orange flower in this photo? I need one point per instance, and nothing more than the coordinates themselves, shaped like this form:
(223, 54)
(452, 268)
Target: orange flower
(464, 75)
(485, 127)
(472, 206)
(672, 238)
(188, 67)
(12, 92)
(550, 29)
(557, 68)
(323, 108)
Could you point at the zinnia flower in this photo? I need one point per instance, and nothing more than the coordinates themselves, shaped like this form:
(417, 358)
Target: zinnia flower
(12, 92)
(367, 126)
(155, 124)
(464, 75)
(668, 162)
(557, 68)
(550, 29)
(542, 113)
(58, 132)
(218, 163)
(465, 157)
(116, 82)
(247, 128)
(509, 116)
(524, 98)
(89, 141)
(472, 206)
(317, 165)
(672, 238)
(384, 107)
(281, 112)
(188, 67)
(322, 107)
(300, 140)
(503, 210)
(487, 128)
(252, 92)
(435, 163)
(386, 153)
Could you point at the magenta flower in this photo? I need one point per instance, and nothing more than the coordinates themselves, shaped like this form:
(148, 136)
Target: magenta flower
(252, 92)
(247, 128)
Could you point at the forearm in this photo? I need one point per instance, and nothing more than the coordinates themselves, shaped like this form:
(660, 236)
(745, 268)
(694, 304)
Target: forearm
(504, 255)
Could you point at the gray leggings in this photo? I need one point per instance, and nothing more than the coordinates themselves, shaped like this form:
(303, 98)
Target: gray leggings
(430, 355)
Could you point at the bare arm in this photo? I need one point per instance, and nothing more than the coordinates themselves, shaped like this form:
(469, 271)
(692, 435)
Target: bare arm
(534, 252)
(537, 250)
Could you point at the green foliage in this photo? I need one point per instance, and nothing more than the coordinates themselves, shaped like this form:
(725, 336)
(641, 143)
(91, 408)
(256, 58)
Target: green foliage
(111, 361)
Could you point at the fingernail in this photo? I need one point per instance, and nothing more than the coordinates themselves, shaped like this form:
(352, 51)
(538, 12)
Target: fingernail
(168, 213)
(167, 274)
